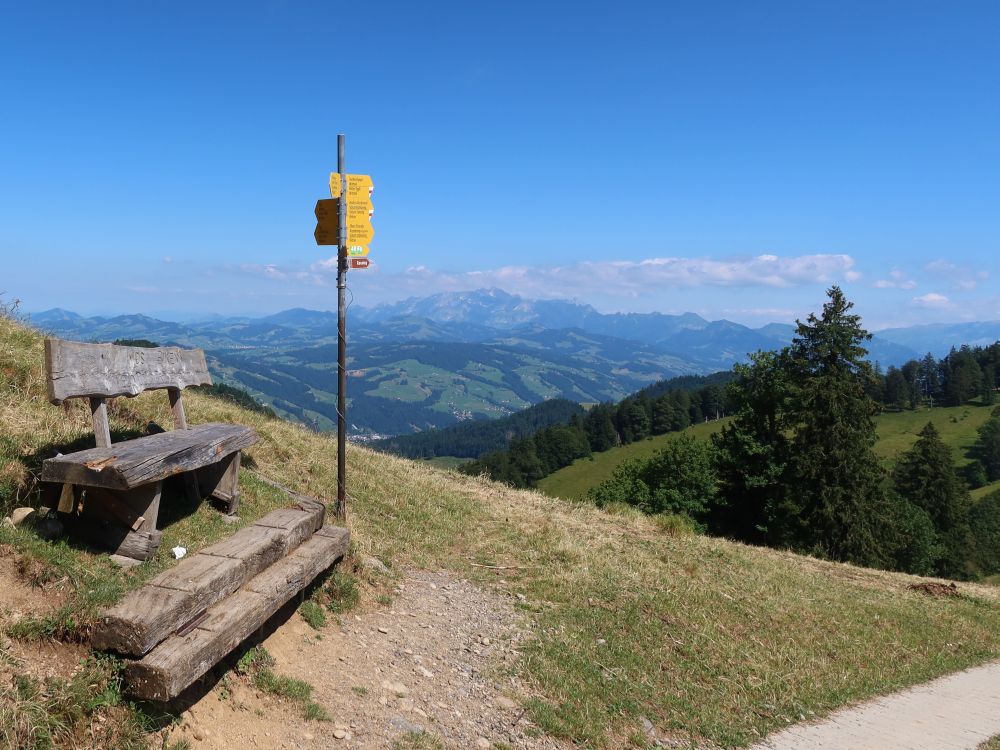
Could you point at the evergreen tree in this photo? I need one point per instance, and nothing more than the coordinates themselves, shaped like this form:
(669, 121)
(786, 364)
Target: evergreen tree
(897, 391)
(926, 476)
(753, 451)
(985, 524)
(930, 378)
(987, 447)
(837, 506)
(600, 428)
(911, 374)
(663, 416)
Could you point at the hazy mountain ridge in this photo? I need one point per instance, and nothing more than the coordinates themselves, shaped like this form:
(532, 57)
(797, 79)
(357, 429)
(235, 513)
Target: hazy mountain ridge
(432, 361)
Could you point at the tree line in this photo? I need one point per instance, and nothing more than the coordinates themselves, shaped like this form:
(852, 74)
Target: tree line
(475, 438)
(795, 467)
(965, 373)
(668, 406)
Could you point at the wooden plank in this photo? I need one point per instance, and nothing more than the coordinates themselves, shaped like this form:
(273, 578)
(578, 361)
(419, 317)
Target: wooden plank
(144, 618)
(180, 660)
(68, 498)
(99, 418)
(151, 458)
(120, 540)
(104, 370)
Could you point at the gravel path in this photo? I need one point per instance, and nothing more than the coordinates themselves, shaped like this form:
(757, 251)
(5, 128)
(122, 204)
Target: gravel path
(438, 663)
(956, 712)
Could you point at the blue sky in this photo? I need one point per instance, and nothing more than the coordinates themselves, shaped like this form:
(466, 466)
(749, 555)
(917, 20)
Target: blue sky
(728, 158)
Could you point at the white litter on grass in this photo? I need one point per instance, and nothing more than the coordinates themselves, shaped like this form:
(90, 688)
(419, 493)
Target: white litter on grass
(178, 552)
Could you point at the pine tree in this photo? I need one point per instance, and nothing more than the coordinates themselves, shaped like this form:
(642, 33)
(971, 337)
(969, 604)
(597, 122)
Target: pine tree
(926, 476)
(753, 451)
(837, 506)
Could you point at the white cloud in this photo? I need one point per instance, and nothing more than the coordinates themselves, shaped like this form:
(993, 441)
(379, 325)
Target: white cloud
(962, 278)
(931, 300)
(623, 278)
(897, 280)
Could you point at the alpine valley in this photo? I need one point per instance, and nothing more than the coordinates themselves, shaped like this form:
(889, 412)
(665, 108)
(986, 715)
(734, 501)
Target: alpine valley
(433, 361)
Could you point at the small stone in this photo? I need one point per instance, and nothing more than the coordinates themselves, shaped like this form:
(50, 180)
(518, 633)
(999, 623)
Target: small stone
(522, 597)
(230, 518)
(601, 641)
(308, 737)
(483, 743)
(383, 630)
(339, 734)
(397, 688)
(425, 672)
(20, 515)
(398, 722)
(374, 565)
(506, 703)
(199, 734)
(124, 562)
(486, 641)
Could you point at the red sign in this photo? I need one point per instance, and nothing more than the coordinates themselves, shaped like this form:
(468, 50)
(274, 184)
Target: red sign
(360, 262)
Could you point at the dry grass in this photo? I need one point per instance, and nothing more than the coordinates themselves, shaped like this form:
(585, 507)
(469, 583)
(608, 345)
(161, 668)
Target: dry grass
(707, 639)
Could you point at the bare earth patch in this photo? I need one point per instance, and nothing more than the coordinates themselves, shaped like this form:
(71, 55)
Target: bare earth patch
(19, 599)
(437, 662)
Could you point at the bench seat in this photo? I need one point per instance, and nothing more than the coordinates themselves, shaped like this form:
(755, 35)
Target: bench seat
(133, 463)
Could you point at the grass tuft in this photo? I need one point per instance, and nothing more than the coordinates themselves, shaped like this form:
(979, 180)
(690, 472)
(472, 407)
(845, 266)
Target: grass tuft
(257, 663)
(313, 614)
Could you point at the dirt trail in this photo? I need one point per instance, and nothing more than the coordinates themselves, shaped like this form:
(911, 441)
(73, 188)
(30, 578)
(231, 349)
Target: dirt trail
(436, 661)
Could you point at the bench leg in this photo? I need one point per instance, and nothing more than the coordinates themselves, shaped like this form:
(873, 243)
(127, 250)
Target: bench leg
(222, 481)
(192, 488)
(124, 521)
(135, 509)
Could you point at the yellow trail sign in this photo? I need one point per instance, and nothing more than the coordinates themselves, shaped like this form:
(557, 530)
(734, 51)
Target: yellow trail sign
(328, 209)
(359, 186)
(359, 228)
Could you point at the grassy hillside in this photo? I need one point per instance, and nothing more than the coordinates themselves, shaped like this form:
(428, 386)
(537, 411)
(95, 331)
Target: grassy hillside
(707, 639)
(897, 432)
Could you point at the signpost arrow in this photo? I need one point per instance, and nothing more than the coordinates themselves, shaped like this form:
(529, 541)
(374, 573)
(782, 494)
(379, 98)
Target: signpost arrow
(359, 186)
(360, 262)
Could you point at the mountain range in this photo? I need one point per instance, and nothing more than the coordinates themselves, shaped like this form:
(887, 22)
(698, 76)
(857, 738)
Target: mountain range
(431, 361)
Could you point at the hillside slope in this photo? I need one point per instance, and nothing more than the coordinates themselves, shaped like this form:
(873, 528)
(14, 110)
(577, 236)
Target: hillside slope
(628, 623)
(897, 431)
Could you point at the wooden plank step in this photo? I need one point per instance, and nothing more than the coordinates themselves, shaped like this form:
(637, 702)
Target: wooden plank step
(181, 659)
(149, 614)
(132, 463)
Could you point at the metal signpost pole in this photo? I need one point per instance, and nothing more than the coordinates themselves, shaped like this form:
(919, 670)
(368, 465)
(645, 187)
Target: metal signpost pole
(342, 339)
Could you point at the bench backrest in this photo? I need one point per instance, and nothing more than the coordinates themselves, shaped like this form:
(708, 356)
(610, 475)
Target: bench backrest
(100, 371)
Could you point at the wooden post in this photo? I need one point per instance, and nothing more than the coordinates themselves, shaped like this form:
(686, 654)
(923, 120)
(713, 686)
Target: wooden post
(341, 512)
(99, 414)
(177, 407)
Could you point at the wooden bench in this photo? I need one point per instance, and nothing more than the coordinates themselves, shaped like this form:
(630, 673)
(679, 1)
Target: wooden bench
(111, 493)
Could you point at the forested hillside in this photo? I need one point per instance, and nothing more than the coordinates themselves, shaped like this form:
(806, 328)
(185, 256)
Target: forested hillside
(475, 438)
(796, 466)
